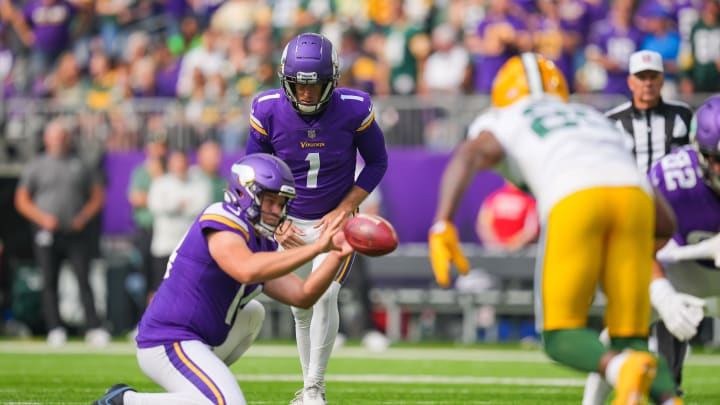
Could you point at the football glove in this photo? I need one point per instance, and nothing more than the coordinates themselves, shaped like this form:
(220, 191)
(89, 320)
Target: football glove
(706, 249)
(680, 312)
(445, 249)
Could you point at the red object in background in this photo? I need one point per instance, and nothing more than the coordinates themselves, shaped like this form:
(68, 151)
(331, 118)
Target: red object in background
(507, 219)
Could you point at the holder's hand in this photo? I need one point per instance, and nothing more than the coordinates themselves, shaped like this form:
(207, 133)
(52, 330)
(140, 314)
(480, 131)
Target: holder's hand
(680, 312)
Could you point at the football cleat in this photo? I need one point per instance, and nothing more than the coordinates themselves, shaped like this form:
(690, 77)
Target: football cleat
(298, 400)
(636, 375)
(314, 395)
(114, 395)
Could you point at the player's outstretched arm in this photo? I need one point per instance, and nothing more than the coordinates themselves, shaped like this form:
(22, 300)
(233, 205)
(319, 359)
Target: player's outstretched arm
(292, 290)
(232, 254)
(476, 154)
(681, 313)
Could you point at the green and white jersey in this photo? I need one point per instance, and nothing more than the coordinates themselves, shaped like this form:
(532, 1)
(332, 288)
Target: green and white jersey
(559, 148)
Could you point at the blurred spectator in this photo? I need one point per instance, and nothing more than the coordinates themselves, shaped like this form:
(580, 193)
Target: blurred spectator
(187, 38)
(703, 75)
(175, 11)
(238, 16)
(113, 16)
(140, 179)
(138, 47)
(501, 35)
(686, 14)
(507, 219)
(447, 69)
(45, 26)
(174, 200)
(167, 71)
(208, 58)
(106, 89)
(66, 87)
(142, 78)
(662, 37)
(60, 195)
(7, 57)
(209, 159)
(554, 38)
(406, 45)
(611, 42)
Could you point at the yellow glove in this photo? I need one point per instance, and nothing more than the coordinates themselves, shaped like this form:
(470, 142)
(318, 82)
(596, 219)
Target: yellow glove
(444, 248)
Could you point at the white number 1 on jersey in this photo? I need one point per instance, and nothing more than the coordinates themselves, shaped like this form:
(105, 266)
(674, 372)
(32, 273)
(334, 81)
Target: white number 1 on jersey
(314, 159)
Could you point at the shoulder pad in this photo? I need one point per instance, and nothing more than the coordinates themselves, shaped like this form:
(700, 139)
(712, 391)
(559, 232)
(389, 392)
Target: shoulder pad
(358, 104)
(220, 216)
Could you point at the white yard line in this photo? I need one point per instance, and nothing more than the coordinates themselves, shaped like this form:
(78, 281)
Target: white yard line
(474, 354)
(420, 379)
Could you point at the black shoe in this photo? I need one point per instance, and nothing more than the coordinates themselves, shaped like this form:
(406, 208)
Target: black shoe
(114, 395)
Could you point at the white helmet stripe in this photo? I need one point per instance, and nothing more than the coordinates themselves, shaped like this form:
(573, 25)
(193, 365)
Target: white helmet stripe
(532, 73)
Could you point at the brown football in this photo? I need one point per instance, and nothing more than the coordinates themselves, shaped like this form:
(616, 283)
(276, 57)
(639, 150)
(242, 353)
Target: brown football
(370, 235)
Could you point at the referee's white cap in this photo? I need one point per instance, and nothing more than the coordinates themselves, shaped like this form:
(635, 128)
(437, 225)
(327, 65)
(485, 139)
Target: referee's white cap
(645, 60)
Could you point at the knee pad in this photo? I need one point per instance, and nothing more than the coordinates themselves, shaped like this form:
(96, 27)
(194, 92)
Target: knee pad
(256, 311)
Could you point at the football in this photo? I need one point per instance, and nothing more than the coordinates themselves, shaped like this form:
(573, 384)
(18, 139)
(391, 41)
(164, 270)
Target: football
(370, 235)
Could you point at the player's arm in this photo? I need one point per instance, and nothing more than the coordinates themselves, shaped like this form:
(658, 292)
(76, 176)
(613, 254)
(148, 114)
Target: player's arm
(292, 290)
(473, 155)
(371, 146)
(370, 143)
(665, 221)
(25, 205)
(91, 208)
(481, 152)
(231, 252)
(681, 313)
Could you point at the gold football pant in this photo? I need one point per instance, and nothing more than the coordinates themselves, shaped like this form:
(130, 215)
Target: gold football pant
(599, 236)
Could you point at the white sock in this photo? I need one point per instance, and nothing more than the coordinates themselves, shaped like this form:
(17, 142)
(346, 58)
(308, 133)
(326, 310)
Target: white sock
(302, 337)
(323, 330)
(670, 401)
(612, 371)
(596, 390)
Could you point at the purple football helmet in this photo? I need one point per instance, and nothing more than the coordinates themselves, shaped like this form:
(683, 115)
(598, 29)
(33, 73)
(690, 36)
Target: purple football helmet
(249, 177)
(308, 59)
(706, 140)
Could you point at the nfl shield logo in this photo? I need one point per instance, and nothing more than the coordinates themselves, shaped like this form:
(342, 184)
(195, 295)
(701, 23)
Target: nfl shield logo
(311, 133)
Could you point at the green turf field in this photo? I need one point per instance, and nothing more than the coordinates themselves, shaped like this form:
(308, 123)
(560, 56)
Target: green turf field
(31, 373)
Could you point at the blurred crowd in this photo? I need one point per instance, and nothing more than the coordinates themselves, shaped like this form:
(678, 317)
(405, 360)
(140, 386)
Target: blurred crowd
(212, 55)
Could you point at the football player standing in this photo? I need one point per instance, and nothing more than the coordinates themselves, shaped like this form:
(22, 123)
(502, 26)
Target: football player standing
(317, 129)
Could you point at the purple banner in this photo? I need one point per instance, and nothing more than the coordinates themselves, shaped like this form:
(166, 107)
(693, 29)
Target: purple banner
(409, 191)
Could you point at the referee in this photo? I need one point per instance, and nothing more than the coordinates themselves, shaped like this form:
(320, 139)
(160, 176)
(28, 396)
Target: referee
(655, 126)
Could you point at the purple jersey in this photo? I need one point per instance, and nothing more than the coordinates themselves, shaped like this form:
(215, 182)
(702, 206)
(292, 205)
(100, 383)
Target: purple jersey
(617, 43)
(321, 149)
(495, 26)
(50, 24)
(197, 300)
(678, 178)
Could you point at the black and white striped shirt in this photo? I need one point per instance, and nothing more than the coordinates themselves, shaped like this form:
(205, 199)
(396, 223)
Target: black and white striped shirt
(654, 132)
